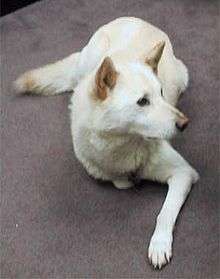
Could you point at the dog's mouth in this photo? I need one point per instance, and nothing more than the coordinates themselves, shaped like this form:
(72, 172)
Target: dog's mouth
(153, 138)
(166, 137)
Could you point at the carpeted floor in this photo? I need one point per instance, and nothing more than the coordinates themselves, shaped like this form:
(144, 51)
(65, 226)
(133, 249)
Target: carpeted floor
(56, 221)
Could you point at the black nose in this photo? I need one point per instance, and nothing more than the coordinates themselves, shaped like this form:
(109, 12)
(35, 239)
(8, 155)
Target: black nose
(182, 123)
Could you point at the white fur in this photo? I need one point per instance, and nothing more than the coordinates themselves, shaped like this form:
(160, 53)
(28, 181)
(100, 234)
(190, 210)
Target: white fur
(115, 137)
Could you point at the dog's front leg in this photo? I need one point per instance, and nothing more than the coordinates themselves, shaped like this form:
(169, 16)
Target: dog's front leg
(169, 167)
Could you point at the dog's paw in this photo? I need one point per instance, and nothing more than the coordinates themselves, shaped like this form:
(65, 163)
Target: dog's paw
(160, 249)
(122, 184)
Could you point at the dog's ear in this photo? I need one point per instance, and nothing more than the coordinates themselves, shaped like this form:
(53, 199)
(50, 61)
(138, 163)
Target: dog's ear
(154, 56)
(105, 79)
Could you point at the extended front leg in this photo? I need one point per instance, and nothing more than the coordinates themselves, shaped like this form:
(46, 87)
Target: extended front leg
(173, 169)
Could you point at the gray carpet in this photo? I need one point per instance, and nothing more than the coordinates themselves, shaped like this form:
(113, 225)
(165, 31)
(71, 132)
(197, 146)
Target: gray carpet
(56, 221)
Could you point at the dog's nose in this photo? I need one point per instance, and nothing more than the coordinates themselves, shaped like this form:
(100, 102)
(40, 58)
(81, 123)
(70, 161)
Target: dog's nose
(182, 123)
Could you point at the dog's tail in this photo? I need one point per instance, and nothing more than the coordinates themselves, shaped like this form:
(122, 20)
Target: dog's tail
(51, 79)
(65, 74)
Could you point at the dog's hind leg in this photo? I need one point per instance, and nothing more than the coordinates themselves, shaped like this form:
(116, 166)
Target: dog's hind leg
(175, 79)
(171, 168)
(182, 78)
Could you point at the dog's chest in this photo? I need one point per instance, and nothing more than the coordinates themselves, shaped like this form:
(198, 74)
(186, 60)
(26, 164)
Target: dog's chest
(118, 154)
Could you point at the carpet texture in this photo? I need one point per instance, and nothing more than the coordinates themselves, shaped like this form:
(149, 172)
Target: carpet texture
(56, 221)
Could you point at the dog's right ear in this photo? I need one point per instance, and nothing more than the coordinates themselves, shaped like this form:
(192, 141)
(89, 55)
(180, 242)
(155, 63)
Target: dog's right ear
(153, 57)
(105, 78)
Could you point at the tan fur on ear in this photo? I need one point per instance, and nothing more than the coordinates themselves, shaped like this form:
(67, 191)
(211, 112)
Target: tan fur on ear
(105, 78)
(154, 56)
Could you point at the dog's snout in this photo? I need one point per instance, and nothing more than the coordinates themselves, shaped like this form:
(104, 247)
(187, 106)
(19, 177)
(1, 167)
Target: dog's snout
(182, 123)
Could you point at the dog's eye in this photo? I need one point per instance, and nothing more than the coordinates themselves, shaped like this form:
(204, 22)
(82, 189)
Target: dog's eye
(161, 92)
(143, 102)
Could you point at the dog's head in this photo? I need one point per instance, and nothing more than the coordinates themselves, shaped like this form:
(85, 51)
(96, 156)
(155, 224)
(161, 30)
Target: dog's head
(130, 99)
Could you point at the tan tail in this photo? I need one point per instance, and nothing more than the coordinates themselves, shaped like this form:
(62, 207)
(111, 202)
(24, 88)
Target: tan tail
(51, 79)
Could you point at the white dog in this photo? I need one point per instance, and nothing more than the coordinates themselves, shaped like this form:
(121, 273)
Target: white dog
(126, 83)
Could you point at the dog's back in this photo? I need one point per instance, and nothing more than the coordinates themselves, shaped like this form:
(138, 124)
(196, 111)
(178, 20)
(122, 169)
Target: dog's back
(124, 39)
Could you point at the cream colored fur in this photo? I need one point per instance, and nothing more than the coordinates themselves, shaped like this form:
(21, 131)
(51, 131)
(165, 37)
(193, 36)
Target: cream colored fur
(113, 136)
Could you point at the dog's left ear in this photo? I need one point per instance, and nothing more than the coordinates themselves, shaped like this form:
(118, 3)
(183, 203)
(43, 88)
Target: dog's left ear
(105, 79)
(153, 57)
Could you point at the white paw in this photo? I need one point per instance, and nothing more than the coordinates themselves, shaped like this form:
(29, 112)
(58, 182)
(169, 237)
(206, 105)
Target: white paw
(122, 183)
(160, 249)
